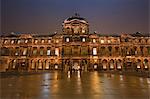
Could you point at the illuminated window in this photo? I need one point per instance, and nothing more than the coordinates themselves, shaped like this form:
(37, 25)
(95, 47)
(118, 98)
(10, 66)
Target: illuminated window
(67, 39)
(102, 41)
(40, 65)
(14, 64)
(56, 66)
(49, 41)
(12, 41)
(47, 65)
(57, 41)
(104, 66)
(25, 51)
(48, 52)
(83, 31)
(18, 41)
(26, 41)
(33, 65)
(5, 41)
(95, 66)
(111, 66)
(36, 41)
(94, 40)
(94, 51)
(42, 41)
(83, 39)
(109, 41)
(17, 51)
(57, 51)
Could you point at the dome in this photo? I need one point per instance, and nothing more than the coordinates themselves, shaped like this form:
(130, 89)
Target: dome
(76, 18)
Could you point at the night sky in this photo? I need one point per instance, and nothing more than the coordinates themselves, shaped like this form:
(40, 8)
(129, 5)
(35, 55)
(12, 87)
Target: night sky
(46, 16)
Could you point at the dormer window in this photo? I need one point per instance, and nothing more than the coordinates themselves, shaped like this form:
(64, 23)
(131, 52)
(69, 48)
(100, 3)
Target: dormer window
(67, 39)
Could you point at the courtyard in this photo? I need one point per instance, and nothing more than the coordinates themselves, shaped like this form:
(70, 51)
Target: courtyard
(74, 85)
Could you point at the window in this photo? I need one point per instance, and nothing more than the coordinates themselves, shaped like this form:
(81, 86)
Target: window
(34, 51)
(83, 39)
(94, 40)
(109, 41)
(18, 41)
(14, 64)
(17, 51)
(67, 39)
(26, 41)
(25, 51)
(102, 41)
(33, 65)
(41, 51)
(12, 41)
(83, 31)
(48, 52)
(49, 41)
(42, 41)
(94, 51)
(95, 66)
(57, 41)
(35, 41)
(5, 41)
(57, 51)
(56, 66)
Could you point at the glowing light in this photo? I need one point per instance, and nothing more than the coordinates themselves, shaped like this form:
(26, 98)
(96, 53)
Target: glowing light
(94, 51)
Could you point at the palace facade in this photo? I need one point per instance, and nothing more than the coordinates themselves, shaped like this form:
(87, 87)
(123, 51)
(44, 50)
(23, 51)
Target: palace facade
(75, 48)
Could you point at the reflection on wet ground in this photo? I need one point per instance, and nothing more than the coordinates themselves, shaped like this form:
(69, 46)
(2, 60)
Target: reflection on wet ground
(75, 85)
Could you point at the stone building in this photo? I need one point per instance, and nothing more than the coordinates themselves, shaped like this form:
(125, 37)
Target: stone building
(75, 48)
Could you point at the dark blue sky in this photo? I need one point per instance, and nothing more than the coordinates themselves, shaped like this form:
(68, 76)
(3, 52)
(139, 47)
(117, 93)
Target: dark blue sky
(104, 16)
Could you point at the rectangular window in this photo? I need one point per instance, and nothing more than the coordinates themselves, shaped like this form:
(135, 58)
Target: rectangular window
(25, 51)
(94, 51)
(67, 39)
(57, 51)
(94, 40)
(83, 39)
(48, 52)
(102, 41)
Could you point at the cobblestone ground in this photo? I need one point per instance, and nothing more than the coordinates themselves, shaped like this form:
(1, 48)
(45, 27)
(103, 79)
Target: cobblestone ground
(76, 85)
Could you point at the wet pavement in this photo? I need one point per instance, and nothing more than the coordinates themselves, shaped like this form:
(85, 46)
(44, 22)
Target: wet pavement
(76, 85)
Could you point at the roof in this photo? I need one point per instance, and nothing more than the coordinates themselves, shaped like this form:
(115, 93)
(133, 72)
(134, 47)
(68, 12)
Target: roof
(76, 17)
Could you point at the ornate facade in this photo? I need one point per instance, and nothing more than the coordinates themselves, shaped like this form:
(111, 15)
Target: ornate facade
(75, 48)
